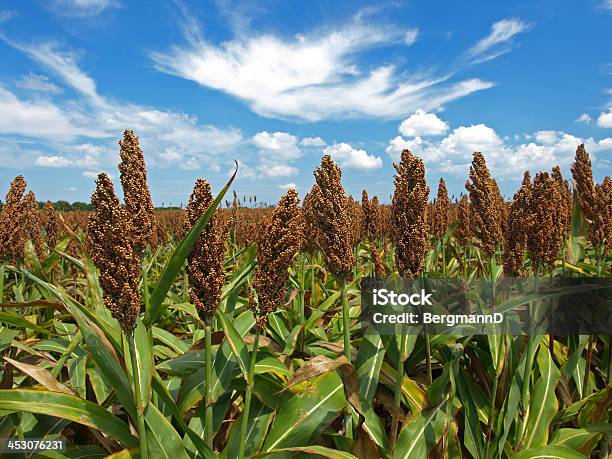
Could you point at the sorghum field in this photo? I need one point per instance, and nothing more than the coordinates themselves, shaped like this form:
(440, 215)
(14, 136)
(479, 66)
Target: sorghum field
(233, 331)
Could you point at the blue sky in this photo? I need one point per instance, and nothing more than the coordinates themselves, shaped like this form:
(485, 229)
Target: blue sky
(276, 84)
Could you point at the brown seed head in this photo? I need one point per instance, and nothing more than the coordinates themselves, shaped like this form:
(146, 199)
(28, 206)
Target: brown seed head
(485, 204)
(309, 221)
(566, 200)
(356, 215)
(463, 232)
(31, 221)
(515, 233)
(136, 192)
(110, 246)
(12, 236)
(276, 248)
(52, 225)
(544, 238)
(205, 261)
(333, 220)
(441, 211)
(379, 268)
(595, 201)
(409, 228)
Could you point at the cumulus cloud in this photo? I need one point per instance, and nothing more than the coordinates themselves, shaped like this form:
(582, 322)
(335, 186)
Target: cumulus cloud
(278, 145)
(605, 120)
(287, 186)
(278, 170)
(410, 37)
(313, 76)
(584, 118)
(53, 161)
(313, 142)
(421, 124)
(352, 158)
(399, 144)
(499, 40)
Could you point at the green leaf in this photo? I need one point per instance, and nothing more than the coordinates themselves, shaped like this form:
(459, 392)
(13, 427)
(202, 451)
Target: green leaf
(76, 371)
(549, 452)
(144, 360)
(316, 450)
(472, 436)
(162, 439)
(576, 438)
(544, 403)
(67, 407)
(302, 417)
(236, 343)
(260, 417)
(421, 434)
(18, 321)
(177, 260)
(369, 361)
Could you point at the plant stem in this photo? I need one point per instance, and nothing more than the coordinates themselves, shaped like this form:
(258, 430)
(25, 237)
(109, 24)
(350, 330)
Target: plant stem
(345, 320)
(142, 437)
(208, 407)
(1, 283)
(428, 357)
(399, 378)
(247, 397)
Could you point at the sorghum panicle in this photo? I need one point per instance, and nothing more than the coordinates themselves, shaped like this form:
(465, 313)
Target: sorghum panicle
(52, 225)
(545, 217)
(441, 211)
(205, 261)
(12, 236)
(110, 246)
(409, 228)
(309, 221)
(463, 232)
(485, 205)
(136, 193)
(331, 214)
(276, 248)
(515, 233)
(31, 221)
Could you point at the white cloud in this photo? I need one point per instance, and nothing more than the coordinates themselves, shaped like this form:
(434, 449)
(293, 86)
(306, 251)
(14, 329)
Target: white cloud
(465, 140)
(40, 83)
(584, 118)
(312, 77)
(313, 142)
(399, 144)
(278, 170)
(410, 37)
(287, 186)
(421, 124)
(82, 7)
(97, 118)
(352, 158)
(605, 120)
(606, 4)
(38, 118)
(53, 161)
(498, 41)
(277, 145)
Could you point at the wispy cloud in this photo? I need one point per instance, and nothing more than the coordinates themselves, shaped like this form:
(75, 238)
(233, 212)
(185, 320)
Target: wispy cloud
(171, 138)
(38, 83)
(499, 40)
(82, 7)
(313, 76)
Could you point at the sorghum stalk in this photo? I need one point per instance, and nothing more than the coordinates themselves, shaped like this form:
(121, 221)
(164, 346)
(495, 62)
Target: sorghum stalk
(206, 277)
(277, 246)
(409, 231)
(332, 215)
(111, 249)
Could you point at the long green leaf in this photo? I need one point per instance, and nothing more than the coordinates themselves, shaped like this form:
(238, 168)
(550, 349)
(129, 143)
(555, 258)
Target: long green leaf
(549, 452)
(67, 407)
